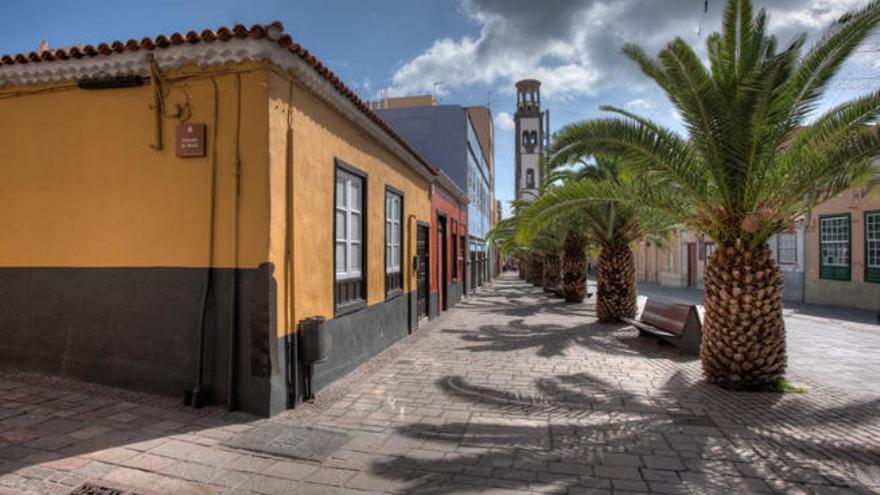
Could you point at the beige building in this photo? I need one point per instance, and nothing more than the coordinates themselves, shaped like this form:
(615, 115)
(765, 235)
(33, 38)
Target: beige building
(681, 260)
(831, 257)
(843, 250)
(677, 262)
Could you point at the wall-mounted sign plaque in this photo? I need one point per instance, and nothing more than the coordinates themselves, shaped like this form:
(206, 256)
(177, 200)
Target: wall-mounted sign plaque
(190, 140)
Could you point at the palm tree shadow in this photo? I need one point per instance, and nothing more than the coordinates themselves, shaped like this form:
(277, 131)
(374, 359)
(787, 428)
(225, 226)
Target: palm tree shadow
(525, 301)
(594, 421)
(552, 340)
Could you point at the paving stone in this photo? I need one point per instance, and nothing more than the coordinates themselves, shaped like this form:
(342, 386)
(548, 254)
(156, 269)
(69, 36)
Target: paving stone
(148, 462)
(618, 472)
(291, 469)
(89, 432)
(663, 462)
(629, 486)
(331, 476)
(113, 455)
(621, 460)
(67, 463)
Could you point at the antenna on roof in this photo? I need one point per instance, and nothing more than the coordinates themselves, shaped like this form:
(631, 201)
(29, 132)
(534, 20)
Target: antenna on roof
(434, 87)
(705, 11)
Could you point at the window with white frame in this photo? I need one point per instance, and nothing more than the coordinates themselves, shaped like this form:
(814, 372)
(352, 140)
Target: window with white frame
(872, 246)
(349, 225)
(834, 247)
(393, 241)
(786, 248)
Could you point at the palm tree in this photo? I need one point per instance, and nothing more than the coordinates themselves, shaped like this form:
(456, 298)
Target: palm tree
(531, 256)
(747, 169)
(574, 265)
(613, 225)
(571, 228)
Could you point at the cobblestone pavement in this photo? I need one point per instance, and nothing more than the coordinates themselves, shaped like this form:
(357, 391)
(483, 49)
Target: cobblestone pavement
(830, 347)
(507, 393)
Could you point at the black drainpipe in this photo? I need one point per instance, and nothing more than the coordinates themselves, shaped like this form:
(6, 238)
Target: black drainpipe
(292, 341)
(232, 386)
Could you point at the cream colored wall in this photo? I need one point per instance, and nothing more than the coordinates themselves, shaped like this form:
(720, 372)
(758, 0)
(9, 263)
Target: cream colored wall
(652, 262)
(82, 187)
(855, 293)
(320, 135)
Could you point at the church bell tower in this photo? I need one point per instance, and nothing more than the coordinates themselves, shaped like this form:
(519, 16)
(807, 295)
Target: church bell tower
(531, 139)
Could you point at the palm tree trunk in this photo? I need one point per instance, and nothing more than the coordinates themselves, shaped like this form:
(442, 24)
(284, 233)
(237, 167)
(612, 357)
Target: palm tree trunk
(615, 284)
(574, 268)
(552, 271)
(537, 270)
(743, 331)
(520, 267)
(527, 267)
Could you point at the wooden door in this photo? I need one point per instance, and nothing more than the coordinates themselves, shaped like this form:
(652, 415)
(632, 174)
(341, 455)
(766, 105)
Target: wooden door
(441, 261)
(692, 264)
(422, 267)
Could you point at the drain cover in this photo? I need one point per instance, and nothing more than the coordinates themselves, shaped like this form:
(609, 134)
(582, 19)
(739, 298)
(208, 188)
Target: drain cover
(93, 489)
(290, 441)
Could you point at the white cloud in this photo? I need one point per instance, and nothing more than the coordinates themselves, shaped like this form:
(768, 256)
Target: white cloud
(574, 46)
(504, 121)
(640, 104)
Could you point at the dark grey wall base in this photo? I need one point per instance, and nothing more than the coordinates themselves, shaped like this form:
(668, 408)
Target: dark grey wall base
(356, 337)
(412, 297)
(137, 328)
(453, 294)
(433, 305)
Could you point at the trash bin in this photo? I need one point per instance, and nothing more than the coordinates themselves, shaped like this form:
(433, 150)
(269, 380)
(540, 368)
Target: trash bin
(313, 339)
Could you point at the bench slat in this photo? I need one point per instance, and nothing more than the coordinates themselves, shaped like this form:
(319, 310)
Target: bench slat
(648, 328)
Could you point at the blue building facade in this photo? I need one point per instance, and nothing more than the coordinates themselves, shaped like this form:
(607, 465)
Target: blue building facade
(445, 136)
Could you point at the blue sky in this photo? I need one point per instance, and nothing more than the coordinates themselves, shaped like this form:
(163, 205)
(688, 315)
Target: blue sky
(478, 48)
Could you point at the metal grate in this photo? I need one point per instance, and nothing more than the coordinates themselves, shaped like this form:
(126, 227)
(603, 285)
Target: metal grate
(93, 489)
(289, 441)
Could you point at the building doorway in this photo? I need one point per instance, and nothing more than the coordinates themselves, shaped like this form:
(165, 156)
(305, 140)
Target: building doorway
(422, 281)
(692, 264)
(442, 282)
(462, 263)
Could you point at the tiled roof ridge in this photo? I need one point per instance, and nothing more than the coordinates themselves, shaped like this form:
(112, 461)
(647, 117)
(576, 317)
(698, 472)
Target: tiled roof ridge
(273, 31)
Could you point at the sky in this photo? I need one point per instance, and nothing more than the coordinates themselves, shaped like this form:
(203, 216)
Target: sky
(470, 52)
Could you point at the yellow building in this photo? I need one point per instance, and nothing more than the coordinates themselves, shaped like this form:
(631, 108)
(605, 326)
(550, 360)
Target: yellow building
(171, 209)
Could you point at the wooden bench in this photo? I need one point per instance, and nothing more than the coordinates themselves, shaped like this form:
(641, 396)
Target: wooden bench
(676, 323)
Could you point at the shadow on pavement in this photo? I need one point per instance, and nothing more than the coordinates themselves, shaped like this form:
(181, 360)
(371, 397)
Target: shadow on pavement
(552, 340)
(600, 431)
(46, 418)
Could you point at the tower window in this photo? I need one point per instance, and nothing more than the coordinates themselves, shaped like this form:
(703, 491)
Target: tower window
(530, 179)
(530, 141)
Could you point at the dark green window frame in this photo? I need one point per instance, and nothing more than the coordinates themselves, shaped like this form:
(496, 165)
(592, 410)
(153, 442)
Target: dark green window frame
(872, 244)
(834, 271)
